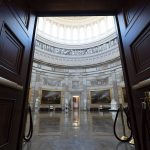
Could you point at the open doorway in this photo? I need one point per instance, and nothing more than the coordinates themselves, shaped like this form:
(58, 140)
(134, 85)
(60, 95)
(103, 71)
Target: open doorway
(77, 76)
(16, 57)
(76, 102)
(78, 54)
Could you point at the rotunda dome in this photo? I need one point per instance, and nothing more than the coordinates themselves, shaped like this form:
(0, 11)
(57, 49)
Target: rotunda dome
(76, 30)
(76, 41)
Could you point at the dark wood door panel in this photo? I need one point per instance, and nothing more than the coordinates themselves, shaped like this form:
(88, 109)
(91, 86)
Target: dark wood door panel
(11, 108)
(140, 52)
(131, 15)
(21, 12)
(14, 48)
(11, 60)
(23, 15)
(7, 108)
(134, 40)
(1, 1)
(16, 36)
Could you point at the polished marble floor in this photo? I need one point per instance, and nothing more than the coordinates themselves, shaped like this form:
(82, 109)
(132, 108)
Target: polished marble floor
(75, 131)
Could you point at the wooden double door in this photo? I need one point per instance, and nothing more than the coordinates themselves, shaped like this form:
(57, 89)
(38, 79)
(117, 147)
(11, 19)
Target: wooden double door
(16, 34)
(134, 30)
(17, 25)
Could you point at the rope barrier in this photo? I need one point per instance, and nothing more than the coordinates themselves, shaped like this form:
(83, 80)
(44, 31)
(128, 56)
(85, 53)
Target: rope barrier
(124, 138)
(28, 137)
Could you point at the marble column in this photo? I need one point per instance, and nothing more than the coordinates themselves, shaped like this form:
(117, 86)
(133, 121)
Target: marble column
(66, 99)
(66, 93)
(84, 100)
(84, 94)
(115, 96)
(37, 91)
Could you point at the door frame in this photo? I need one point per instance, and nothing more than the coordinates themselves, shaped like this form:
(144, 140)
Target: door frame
(78, 102)
(27, 88)
(122, 57)
(127, 85)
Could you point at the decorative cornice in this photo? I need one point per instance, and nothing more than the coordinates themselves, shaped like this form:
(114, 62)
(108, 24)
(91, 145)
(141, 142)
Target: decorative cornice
(77, 52)
(75, 61)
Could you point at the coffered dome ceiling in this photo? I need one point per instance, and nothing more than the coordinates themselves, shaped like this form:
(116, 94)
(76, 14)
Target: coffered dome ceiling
(76, 30)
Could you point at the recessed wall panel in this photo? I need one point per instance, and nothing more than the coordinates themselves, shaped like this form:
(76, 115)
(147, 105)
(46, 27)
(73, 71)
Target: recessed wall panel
(6, 107)
(140, 49)
(11, 51)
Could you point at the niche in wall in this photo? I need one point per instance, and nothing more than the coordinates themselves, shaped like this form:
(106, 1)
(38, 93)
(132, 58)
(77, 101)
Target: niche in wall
(51, 97)
(100, 97)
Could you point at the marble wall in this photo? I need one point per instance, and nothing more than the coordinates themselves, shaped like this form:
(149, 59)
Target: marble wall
(77, 82)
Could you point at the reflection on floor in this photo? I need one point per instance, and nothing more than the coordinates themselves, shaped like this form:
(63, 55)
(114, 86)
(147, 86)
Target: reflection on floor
(75, 131)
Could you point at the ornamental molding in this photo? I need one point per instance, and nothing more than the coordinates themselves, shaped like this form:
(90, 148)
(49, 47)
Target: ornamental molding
(77, 52)
(76, 61)
(71, 72)
(44, 39)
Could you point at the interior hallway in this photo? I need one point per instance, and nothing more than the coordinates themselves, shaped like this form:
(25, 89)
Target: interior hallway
(75, 131)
